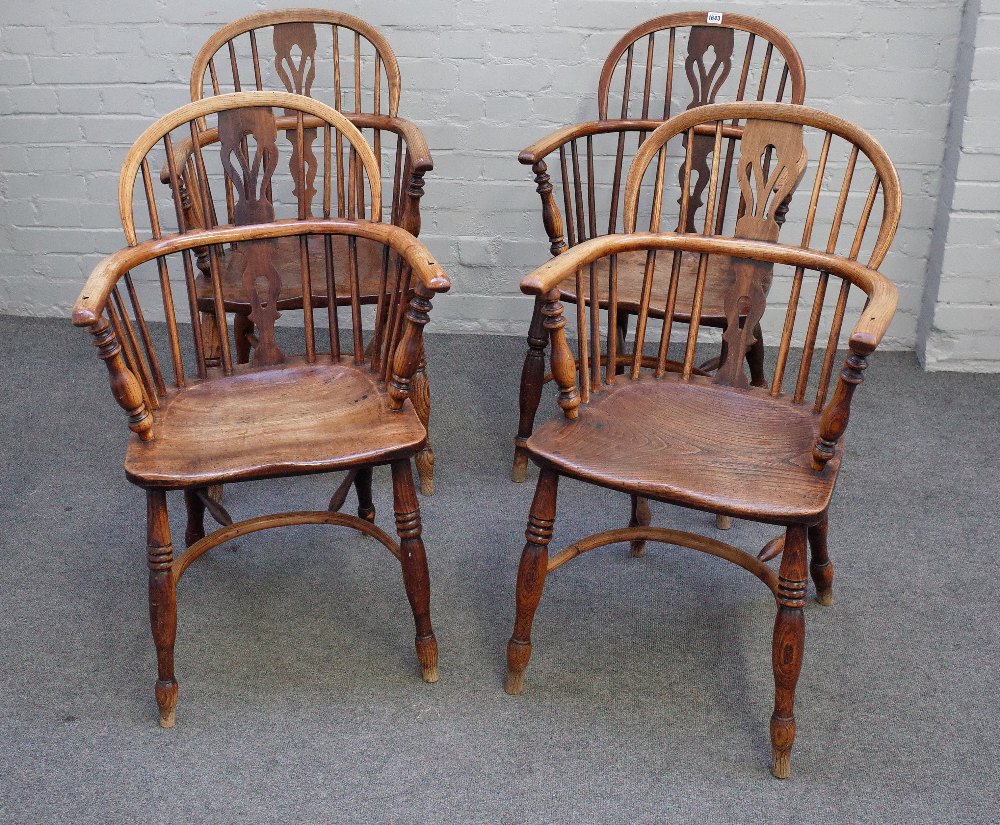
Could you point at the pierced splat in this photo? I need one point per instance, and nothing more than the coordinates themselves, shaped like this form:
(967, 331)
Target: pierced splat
(772, 161)
(705, 84)
(293, 40)
(251, 261)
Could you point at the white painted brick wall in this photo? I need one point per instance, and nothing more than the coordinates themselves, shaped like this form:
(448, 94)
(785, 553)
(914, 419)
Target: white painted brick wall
(963, 329)
(79, 79)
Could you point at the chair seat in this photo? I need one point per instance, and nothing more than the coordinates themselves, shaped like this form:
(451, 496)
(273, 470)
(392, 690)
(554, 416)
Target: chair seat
(729, 451)
(631, 271)
(286, 257)
(291, 420)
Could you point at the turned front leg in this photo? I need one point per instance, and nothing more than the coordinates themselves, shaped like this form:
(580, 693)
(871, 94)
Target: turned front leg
(162, 602)
(787, 647)
(820, 566)
(416, 578)
(532, 381)
(531, 577)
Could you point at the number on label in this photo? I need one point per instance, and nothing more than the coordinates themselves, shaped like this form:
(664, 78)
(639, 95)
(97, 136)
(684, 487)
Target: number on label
(715, 17)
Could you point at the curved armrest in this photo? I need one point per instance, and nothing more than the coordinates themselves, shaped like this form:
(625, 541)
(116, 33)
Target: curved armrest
(865, 337)
(548, 144)
(94, 296)
(871, 326)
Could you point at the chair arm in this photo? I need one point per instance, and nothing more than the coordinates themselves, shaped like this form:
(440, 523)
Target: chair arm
(94, 296)
(865, 337)
(547, 145)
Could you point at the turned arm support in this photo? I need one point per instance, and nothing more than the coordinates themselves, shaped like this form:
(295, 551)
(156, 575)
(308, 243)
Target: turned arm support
(866, 336)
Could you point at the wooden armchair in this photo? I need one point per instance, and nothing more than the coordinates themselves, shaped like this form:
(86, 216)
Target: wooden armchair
(346, 63)
(203, 418)
(639, 84)
(718, 442)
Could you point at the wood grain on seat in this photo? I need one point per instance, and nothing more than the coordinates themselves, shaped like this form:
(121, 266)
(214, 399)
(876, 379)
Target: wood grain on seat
(697, 444)
(260, 423)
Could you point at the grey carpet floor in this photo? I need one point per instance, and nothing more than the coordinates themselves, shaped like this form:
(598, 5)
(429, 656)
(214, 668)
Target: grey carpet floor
(650, 689)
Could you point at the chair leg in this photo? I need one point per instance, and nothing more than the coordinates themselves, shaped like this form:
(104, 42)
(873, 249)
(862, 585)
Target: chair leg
(195, 530)
(786, 650)
(363, 486)
(820, 566)
(420, 395)
(640, 518)
(242, 330)
(211, 344)
(416, 579)
(532, 381)
(162, 602)
(531, 577)
(723, 522)
(755, 359)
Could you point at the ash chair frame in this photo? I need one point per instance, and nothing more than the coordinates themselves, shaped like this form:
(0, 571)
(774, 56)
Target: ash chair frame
(578, 221)
(717, 443)
(366, 88)
(344, 409)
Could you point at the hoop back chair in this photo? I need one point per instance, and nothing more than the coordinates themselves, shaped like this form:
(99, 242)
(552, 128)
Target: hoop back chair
(717, 443)
(640, 86)
(347, 63)
(200, 417)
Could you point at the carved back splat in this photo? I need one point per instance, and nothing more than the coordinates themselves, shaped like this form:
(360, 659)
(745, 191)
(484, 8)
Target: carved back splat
(705, 84)
(849, 181)
(251, 180)
(298, 75)
(772, 161)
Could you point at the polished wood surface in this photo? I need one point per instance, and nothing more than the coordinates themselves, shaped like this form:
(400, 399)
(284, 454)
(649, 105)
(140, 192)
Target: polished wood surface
(281, 50)
(305, 418)
(680, 57)
(654, 428)
(330, 395)
(736, 452)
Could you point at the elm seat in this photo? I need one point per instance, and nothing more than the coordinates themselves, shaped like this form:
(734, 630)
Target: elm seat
(266, 422)
(631, 272)
(706, 446)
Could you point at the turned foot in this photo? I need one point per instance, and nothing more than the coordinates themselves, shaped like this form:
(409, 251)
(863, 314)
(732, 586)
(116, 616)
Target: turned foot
(166, 699)
(427, 653)
(531, 572)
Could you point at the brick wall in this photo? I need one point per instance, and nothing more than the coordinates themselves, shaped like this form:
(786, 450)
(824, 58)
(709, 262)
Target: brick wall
(79, 80)
(961, 322)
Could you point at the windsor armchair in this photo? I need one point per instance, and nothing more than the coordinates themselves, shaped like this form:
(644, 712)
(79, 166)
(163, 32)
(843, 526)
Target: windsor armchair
(702, 47)
(720, 443)
(201, 419)
(346, 63)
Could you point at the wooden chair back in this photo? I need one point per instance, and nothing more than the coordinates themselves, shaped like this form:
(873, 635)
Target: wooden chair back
(241, 182)
(701, 45)
(338, 59)
(854, 207)
(581, 204)
(289, 49)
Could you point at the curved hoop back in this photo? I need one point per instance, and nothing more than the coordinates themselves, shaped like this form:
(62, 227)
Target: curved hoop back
(703, 46)
(242, 117)
(772, 159)
(304, 44)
